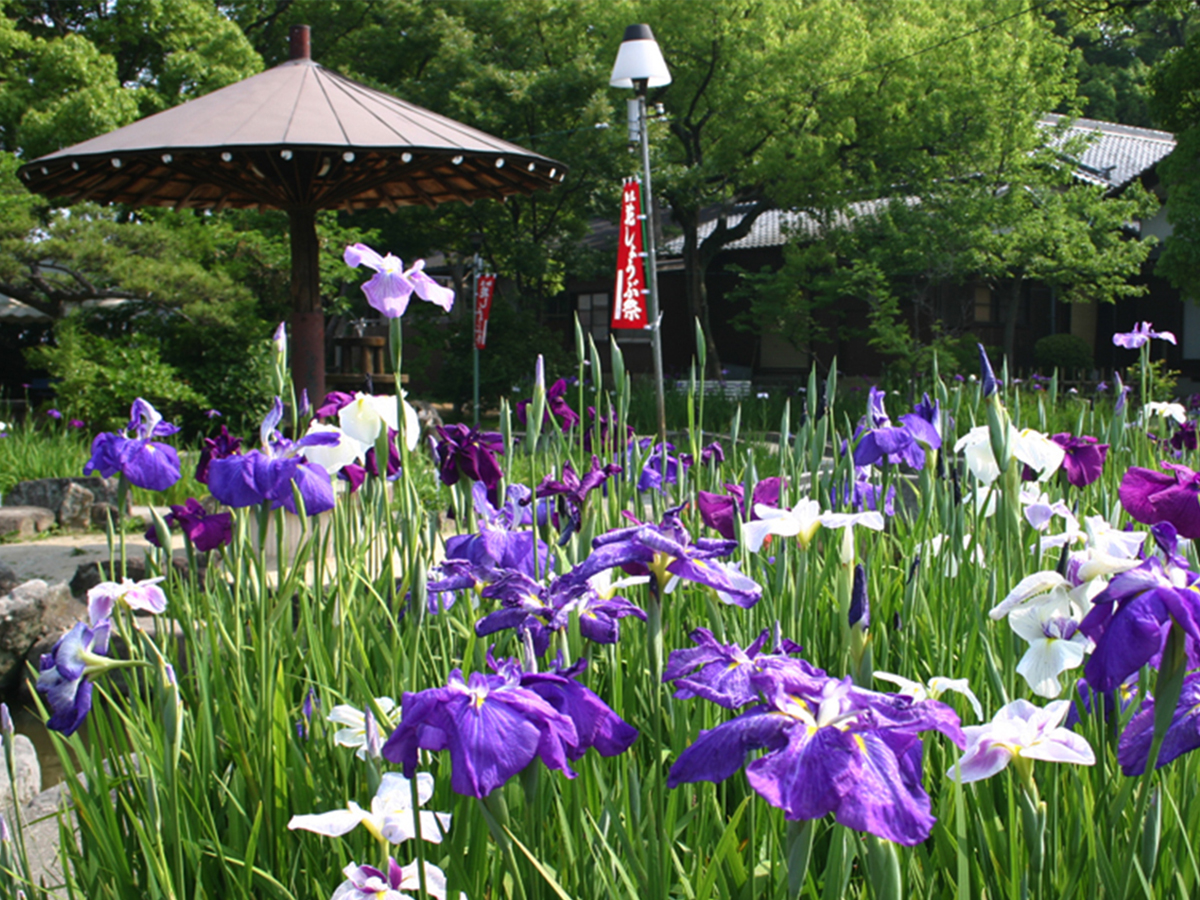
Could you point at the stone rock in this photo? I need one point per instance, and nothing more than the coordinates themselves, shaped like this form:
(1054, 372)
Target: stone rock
(48, 492)
(20, 626)
(8, 578)
(28, 773)
(88, 575)
(75, 509)
(428, 415)
(25, 521)
(101, 514)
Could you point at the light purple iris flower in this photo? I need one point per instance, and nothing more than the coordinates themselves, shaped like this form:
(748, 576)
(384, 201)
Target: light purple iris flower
(831, 748)
(1142, 332)
(399, 883)
(1084, 459)
(391, 287)
(143, 462)
(1151, 497)
(667, 548)
(62, 674)
(494, 725)
(878, 439)
(267, 475)
(718, 510)
(1022, 731)
(1131, 619)
(1182, 736)
(721, 673)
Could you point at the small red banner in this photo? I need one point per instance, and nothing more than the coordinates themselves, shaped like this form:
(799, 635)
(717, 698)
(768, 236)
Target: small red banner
(629, 298)
(483, 308)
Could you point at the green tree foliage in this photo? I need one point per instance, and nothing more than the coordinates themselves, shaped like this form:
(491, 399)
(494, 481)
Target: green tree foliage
(1175, 86)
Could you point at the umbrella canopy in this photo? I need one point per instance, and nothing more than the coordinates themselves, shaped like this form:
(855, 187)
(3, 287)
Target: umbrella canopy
(301, 138)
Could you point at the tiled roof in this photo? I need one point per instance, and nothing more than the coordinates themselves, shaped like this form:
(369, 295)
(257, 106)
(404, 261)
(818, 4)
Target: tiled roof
(776, 227)
(1115, 156)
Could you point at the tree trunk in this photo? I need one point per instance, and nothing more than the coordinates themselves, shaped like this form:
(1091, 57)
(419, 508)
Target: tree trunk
(695, 267)
(1010, 321)
(308, 318)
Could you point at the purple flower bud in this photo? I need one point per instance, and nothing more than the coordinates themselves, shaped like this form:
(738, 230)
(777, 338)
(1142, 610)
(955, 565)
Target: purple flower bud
(860, 606)
(6, 722)
(989, 377)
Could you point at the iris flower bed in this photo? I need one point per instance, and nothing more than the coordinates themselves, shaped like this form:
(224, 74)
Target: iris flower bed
(945, 651)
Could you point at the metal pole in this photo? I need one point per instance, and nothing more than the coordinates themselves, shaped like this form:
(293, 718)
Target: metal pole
(652, 260)
(474, 346)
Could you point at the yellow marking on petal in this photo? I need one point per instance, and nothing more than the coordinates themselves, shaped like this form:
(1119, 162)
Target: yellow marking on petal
(373, 828)
(858, 739)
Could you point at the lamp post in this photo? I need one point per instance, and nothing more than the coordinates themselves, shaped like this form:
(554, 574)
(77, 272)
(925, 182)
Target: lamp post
(640, 66)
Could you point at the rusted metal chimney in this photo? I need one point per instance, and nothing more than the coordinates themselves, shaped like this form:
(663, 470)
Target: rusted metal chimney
(299, 42)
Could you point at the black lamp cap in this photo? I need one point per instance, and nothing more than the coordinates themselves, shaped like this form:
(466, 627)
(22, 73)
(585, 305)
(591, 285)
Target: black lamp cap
(638, 33)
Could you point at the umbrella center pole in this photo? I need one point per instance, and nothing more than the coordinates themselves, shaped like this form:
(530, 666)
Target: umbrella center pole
(308, 317)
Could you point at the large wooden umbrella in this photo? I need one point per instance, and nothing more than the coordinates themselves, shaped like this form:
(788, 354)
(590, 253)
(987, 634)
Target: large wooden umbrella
(301, 138)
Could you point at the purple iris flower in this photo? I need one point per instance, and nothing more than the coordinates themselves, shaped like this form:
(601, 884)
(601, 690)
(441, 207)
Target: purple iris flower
(223, 445)
(1106, 703)
(1184, 437)
(391, 287)
(268, 475)
(54, 414)
(601, 434)
(145, 463)
(470, 452)
(667, 549)
(333, 403)
(1131, 619)
(1122, 394)
(990, 383)
(1084, 459)
(708, 453)
(1183, 734)
(573, 490)
(207, 531)
(76, 423)
(62, 674)
(500, 544)
(596, 725)
(1142, 332)
(831, 748)
(660, 469)
(556, 405)
(1151, 497)
(718, 510)
(877, 438)
(864, 494)
(720, 673)
(539, 610)
(494, 725)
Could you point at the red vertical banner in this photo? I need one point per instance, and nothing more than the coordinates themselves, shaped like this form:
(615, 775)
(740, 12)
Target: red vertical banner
(484, 288)
(629, 298)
